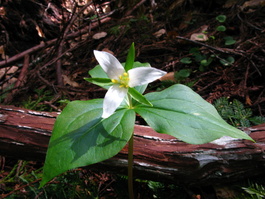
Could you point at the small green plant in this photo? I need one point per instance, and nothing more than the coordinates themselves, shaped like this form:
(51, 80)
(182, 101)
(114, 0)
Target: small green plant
(254, 191)
(169, 191)
(229, 40)
(236, 114)
(203, 60)
(36, 102)
(227, 61)
(221, 19)
(23, 182)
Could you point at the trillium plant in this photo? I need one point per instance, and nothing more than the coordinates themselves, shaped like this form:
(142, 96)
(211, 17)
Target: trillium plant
(124, 82)
(88, 132)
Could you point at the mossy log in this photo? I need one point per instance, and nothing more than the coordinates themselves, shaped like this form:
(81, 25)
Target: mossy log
(24, 134)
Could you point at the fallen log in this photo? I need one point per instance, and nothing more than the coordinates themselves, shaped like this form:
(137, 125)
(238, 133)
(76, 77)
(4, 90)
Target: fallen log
(24, 134)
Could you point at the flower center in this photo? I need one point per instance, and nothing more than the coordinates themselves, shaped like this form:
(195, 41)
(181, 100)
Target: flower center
(122, 81)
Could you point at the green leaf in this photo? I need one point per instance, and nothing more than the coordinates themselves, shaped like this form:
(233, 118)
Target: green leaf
(182, 113)
(81, 137)
(139, 64)
(221, 18)
(98, 72)
(206, 62)
(194, 51)
(186, 60)
(228, 61)
(138, 96)
(183, 73)
(229, 40)
(212, 37)
(221, 28)
(130, 58)
(103, 82)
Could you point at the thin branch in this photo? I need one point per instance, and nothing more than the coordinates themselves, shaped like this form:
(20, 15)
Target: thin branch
(23, 73)
(19, 56)
(222, 50)
(21, 79)
(134, 8)
(62, 40)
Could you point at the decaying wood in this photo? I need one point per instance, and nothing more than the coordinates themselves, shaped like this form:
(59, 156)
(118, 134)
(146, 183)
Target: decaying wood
(25, 134)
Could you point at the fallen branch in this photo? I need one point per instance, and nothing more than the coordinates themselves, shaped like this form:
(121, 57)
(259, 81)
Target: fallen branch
(24, 134)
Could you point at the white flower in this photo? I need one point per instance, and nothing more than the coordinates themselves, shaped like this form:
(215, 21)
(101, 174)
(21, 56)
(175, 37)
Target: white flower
(122, 80)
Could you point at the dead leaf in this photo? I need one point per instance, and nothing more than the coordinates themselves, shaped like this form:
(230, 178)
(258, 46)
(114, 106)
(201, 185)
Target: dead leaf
(9, 83)
(168, 77)
(250, 6)
(248, 100)
(70, 82)
(2, 11)
(8, 71)
(199, 37)
(159, 33)
(2, 52)
(40, 32)
(12, 70)
(99, 35)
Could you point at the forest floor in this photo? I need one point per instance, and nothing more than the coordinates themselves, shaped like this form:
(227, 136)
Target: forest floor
(215, 47)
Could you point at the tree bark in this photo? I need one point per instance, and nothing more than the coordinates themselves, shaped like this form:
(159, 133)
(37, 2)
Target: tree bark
(24, 134)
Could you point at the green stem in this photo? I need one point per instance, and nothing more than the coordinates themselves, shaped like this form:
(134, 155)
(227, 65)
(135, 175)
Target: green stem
(130, 158)
(130, 168)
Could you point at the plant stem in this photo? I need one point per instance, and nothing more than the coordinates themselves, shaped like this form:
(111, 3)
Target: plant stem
(130, 168)
(130, 157)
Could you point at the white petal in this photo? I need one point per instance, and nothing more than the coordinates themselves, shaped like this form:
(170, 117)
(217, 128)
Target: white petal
(113, 99)
(144, 75)
(109, 64)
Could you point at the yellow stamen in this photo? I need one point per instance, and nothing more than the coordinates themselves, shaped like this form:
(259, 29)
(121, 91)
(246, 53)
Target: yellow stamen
(114, 81)
(122, 81)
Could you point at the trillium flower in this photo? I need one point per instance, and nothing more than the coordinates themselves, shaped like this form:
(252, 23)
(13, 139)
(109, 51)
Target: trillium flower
(122, 80)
